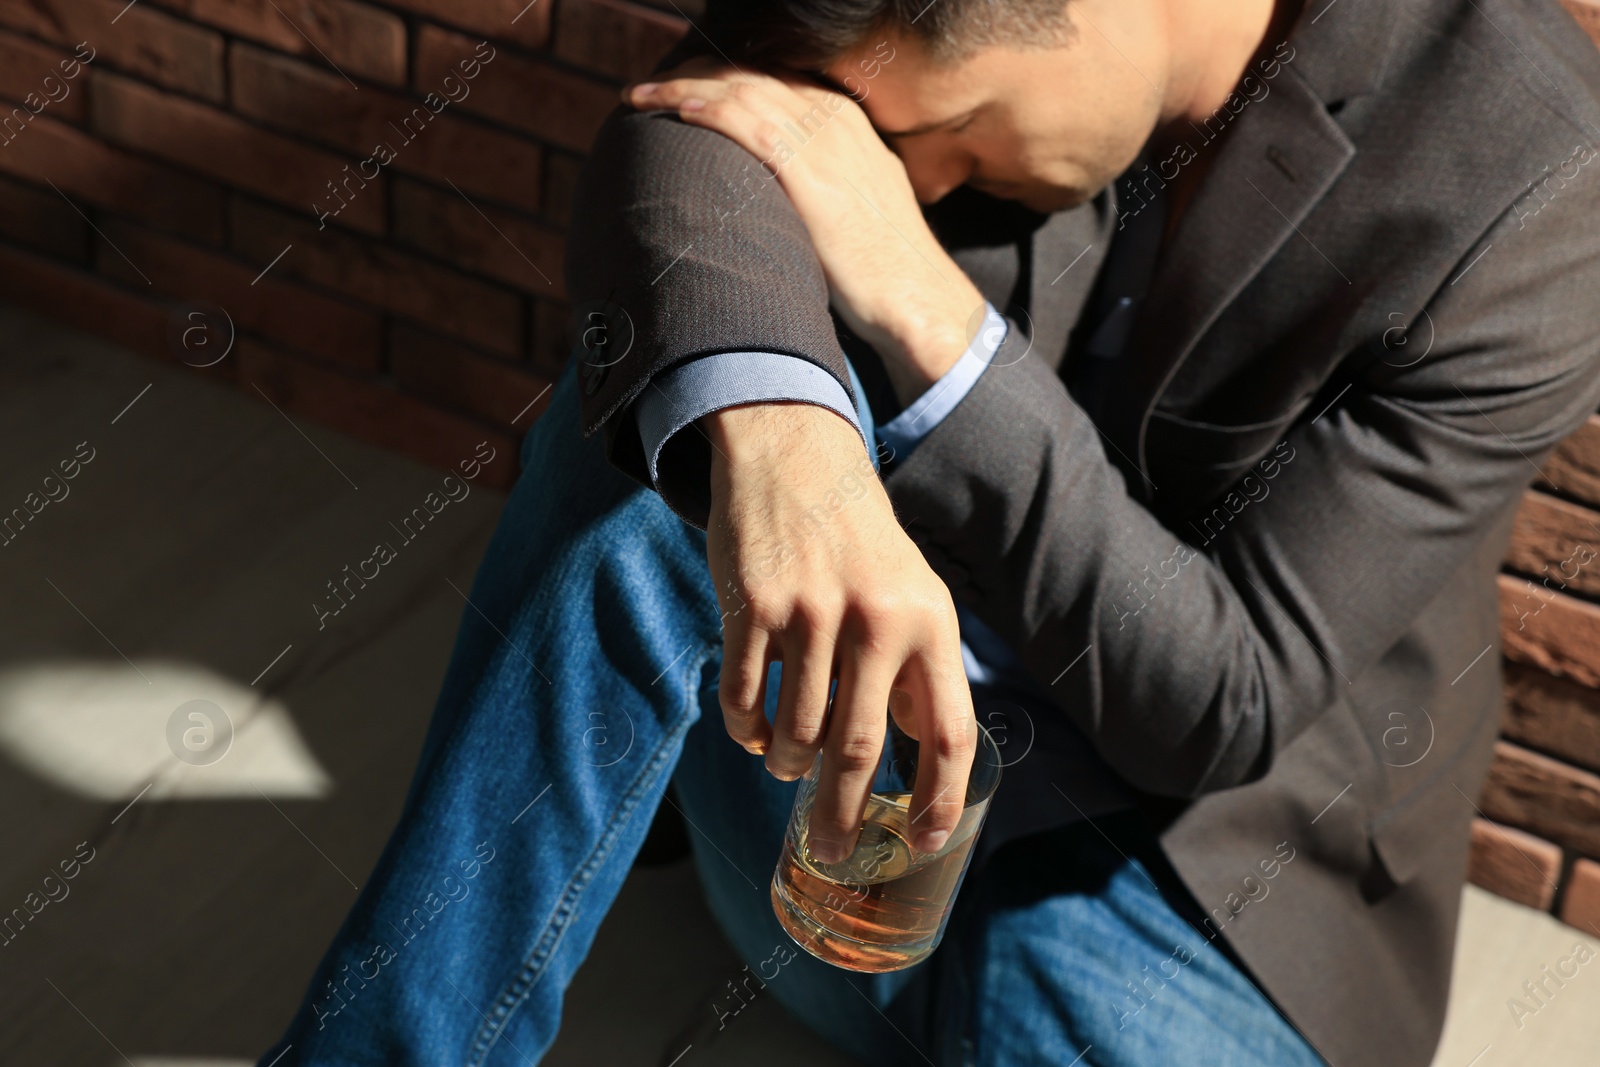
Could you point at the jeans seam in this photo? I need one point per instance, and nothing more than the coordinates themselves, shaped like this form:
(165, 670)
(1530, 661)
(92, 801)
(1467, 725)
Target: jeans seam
(519, 989)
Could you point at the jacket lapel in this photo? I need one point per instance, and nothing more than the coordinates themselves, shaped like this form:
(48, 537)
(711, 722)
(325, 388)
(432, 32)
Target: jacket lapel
(1281, 156)
(1278, 158)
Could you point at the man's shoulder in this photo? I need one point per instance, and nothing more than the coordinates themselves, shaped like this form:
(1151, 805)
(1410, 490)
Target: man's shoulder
(1474, 104)
(1463, 64)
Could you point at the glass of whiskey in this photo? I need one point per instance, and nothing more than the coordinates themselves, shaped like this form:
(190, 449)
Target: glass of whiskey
(883, 907)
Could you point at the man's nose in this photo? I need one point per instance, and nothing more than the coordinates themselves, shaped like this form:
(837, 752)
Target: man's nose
(932, 178)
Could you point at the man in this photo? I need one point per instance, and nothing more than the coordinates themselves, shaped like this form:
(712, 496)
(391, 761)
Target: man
(1206, 349)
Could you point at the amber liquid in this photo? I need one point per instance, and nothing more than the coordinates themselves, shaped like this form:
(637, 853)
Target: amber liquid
(885, 905)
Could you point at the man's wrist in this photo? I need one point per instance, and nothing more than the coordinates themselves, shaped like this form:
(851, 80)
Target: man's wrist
(928, 336)
(752, 432)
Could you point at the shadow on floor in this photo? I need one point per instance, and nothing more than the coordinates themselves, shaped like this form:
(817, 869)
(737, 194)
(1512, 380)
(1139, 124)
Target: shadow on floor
(163, 600)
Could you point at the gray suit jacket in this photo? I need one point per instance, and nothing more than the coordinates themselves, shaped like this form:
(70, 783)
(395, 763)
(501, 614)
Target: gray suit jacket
(1262, 585)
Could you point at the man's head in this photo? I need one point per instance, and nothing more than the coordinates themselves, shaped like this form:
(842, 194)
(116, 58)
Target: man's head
(1040, 101)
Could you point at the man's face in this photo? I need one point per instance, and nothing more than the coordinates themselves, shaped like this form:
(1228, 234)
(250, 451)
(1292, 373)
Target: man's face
(1048, 127)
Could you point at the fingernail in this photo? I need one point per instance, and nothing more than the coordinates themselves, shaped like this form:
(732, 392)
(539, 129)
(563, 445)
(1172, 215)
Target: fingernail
(694, 103)
(932, 840)
(825, 851)
(645, 88)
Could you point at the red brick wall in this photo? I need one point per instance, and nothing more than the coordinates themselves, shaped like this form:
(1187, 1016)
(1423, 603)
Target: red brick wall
(1543, 792)
(169, 172)
(428, 313)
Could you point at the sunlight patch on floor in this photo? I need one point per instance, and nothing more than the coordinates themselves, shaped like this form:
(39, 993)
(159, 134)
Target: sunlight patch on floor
(1494, 1021)
(108, 730)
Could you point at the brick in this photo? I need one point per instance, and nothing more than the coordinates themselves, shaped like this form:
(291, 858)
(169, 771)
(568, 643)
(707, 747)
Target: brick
(85, 168)
(317, 105)
(479, 238)
(384, 277)
(372, 412)
(1552, 714)
(1559, 802)
(560, 182)
(42, 221)
(1557, 544)
(1574, 467)
(229, 149)
(24, 66)
(144, 42)
(1513, 864)
(439, 371)
(1558, 633)
(1587, 12)
(1580, 905)
(272, 306)
(548, 348)
(620, 40)
(84, 302)
(523, 93)
(522, 21)
(360, 40)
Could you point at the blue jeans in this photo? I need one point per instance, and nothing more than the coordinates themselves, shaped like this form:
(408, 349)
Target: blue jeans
(583, 681)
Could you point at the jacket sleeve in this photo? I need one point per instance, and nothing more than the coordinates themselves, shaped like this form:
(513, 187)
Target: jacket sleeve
(681, 246)
(1189, 665)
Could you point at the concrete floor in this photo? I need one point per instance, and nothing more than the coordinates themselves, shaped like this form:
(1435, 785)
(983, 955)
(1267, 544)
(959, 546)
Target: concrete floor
(179, 567)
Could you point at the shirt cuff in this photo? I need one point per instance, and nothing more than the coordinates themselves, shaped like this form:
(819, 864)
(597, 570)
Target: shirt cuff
(677, 397)
(903, 432)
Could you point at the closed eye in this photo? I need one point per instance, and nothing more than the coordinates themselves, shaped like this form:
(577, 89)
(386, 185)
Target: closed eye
(946, 126)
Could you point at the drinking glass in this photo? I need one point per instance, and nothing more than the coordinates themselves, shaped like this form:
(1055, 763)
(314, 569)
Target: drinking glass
(883, 907)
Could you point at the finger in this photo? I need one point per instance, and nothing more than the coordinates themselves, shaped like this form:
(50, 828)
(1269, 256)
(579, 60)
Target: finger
(947, 739)
(696, 67)
(672, 92)
(850, 755)
(802, 700)
(788, 94)
(751, 112)
(742, 689)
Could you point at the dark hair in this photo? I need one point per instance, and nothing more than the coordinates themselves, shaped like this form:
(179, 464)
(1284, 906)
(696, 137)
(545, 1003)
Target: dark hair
(811, 34)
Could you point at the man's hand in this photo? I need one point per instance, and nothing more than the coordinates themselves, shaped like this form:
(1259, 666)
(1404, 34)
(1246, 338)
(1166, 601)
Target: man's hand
(813, 570)
(890, 279)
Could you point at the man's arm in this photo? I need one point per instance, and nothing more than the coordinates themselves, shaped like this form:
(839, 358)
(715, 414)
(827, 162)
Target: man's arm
(681, 247)
(685, 249)
(1373, 506)
(679, 396)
